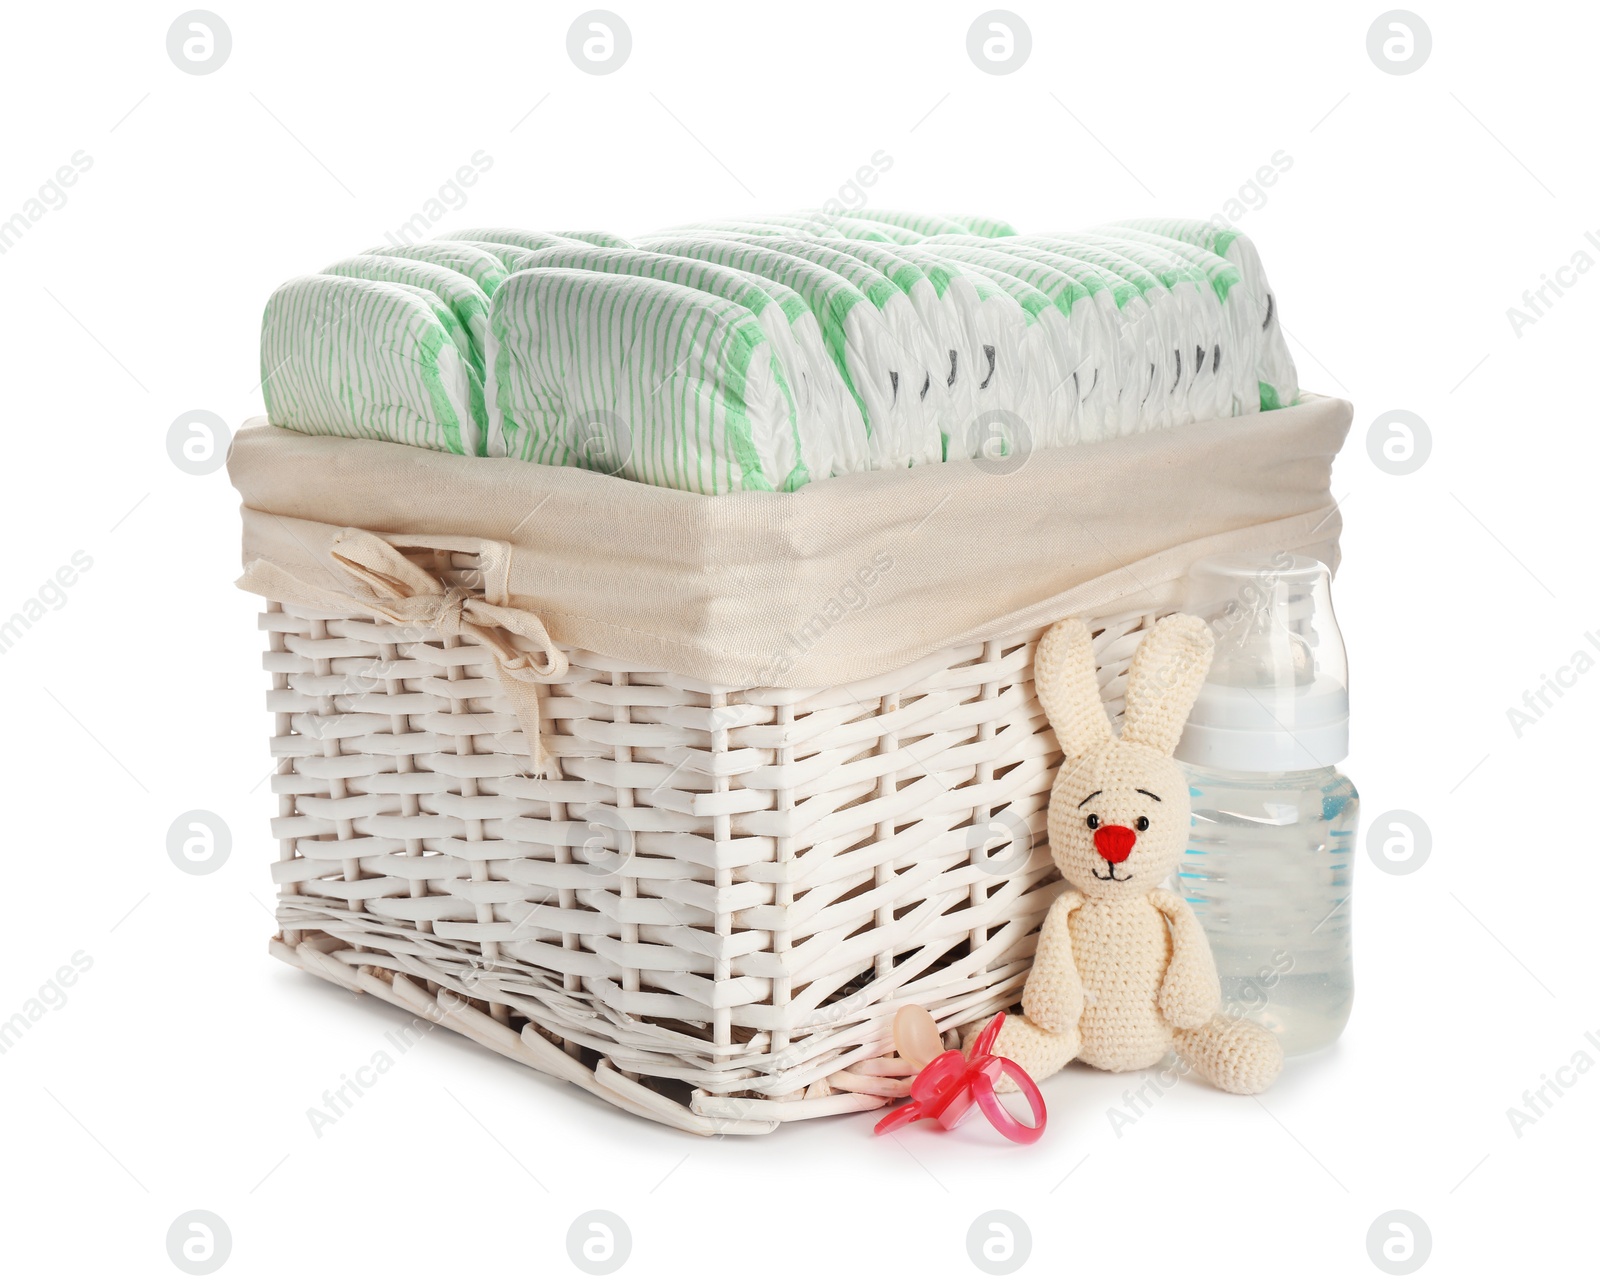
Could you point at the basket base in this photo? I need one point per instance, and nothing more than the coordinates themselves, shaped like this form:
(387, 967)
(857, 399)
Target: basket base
(705, 1115)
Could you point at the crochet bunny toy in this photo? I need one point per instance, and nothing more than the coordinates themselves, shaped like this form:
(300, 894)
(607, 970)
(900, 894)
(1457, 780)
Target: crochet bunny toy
(1123, 973)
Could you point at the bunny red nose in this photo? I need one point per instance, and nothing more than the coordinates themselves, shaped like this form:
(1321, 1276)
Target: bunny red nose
(1115, 843)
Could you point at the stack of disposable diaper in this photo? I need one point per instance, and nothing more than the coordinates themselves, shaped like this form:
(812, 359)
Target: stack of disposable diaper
(764, 355)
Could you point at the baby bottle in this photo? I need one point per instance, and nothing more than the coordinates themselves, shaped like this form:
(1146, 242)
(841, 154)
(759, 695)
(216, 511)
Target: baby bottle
(1273, 821)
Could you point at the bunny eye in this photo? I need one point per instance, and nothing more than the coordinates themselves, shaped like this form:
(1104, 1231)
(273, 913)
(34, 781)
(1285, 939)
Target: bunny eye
(1092, 821)
(1143, 824)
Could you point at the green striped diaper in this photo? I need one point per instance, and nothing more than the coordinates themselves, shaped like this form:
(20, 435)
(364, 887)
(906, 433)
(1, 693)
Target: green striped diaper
(816, 223)
(819, 223)
(767, 226)
(597, 239)
(1237, 363)
(923, 392)
(458, 291)
(920, 224)
(1204, 362)
(500, 253)
(514, 238)
(488, 270)
(830, 424)
(1018, 324)
(1154, 322)
(463, 346)
(647, 379)
(876, 367)
(983, 226)
(982, 375)
(1280, 384)
(366, 359)
(1105, 342)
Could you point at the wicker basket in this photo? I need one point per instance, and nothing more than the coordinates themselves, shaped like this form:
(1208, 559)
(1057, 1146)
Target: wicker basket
(709, 911)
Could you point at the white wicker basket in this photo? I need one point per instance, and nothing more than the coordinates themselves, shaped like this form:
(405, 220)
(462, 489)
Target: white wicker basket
(711, 915)
(711, 908)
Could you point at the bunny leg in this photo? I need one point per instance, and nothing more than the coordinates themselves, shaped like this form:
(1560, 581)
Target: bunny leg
(1232, 1054)
(1039, 1051)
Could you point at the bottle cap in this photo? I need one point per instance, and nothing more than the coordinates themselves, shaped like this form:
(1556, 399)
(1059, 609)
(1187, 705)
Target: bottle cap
(1277, 697)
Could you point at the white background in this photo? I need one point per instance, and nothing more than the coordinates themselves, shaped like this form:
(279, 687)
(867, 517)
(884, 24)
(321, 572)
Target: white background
(1417, 210)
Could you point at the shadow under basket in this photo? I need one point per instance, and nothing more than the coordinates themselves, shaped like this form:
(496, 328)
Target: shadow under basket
(710, 911)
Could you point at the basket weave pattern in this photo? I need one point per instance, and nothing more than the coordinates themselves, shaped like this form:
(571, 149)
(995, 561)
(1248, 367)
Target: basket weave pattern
(710, 913)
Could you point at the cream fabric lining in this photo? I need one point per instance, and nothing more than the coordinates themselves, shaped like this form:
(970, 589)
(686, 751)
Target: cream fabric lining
(847, 578)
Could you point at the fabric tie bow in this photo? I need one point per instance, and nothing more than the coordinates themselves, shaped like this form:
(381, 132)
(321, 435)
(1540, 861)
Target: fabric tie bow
(402, 593)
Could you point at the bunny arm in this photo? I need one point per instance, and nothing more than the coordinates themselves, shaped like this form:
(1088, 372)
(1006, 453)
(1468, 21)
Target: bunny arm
(1190, 992)
(1053, 995)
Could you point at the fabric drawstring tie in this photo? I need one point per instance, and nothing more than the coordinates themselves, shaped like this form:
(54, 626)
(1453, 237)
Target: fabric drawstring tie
(402, 593)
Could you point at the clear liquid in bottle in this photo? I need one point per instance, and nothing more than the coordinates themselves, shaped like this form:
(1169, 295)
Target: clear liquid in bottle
(1268, 872)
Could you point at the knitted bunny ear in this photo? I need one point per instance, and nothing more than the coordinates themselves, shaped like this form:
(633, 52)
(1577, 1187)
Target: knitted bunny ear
(1064, 678)
(1163, 680)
